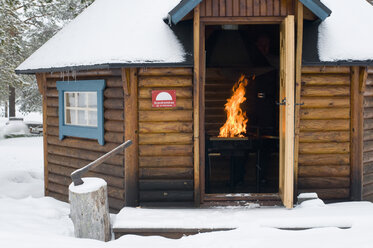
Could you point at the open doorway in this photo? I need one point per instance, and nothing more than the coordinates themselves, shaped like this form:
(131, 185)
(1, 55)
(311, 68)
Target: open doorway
(248, 57)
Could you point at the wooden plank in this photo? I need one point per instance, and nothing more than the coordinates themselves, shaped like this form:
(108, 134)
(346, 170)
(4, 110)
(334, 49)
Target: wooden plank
(51, 111)
(83, 154)
(325, 79)
(65, 172)
(287, 79)
(222, 4)
(52, 121)
(242, 7)
(208, 8)
(276, 8)
(166, 173)
(368, 157)
(368, 189)
(165, 71)
(113, 137)
(115, 115)
(165, 161)
(368, 102)
(256, 8)
(52, 101)
(84, 144)
(51, 93)
(105, 169)
(89, 73)
(263, 7)
(114, 126)
(325, 102)
(368, 179)
(323, 182)
(270, 7)
(236, 7)
(324, 113)
(215, 7)
(298, 88)
(42, 84)
(229, 8)
(165, 138)
(180, 93)
(177, 184)
(165, 127)
(198, 40)
(367, 168)
(331, 136)
(356, 134)
(368, 146)
(249, 7)
(368, 91)
(326, 91)
(326, 69)
(181, 104)
(175, 115)
(283, 7)
(324, 148)
(324, 159)
(324, 125)
(363, 75)
(324, 171)
(131, 157)
(368, 124)
(165, 81)
(113, 93)
(242, 20)
(329, 194)
(166, 196)
(159, 150)
(114, 82)
(113, 104)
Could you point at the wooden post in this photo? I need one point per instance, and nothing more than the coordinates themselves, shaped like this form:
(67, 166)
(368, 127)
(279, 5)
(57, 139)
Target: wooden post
(356, 134)
(196, 104)
(89, 209)
(42, 85)
(298, 85)
(131, 161)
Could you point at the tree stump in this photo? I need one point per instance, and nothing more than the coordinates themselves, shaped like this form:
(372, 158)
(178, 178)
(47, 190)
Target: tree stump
(89, 209)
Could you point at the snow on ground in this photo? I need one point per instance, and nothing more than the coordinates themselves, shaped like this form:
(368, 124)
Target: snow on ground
(29, 220)
(346, 34)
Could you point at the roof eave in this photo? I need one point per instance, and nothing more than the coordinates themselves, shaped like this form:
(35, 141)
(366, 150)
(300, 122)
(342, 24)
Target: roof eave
(318, 8)
(181, 10)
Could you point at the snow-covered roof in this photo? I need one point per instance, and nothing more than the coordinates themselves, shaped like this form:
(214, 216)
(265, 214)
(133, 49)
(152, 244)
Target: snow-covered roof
(112, 32)
(346, 35)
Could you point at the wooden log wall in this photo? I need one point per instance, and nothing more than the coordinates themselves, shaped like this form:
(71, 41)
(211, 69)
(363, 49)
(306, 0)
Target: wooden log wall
(166, 139)
(324, 139)
(72, 153)
(245, 8)
(368, 139)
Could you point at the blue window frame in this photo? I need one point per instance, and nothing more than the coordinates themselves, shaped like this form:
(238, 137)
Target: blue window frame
(81, 109)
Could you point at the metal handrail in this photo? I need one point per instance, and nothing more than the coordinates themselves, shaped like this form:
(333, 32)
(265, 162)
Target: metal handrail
(76, 176)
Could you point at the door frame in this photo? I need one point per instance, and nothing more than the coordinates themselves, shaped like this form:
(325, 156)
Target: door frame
(199, 25)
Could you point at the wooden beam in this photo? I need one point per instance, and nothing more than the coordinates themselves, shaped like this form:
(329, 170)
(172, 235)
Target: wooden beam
(363, 75)
(196, 95)
(126, 81)
(131, 157)
(42, 84)
(241, 20)
(298, 85)
(356, 135)
(93, 73)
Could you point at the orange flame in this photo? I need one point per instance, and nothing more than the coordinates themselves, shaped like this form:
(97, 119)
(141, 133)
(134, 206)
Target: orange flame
(235, 125)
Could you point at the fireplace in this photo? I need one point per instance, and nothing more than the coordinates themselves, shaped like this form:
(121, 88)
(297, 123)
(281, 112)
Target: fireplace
(245, 161)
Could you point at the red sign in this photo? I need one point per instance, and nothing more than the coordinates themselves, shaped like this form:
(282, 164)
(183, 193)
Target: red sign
(163, 98)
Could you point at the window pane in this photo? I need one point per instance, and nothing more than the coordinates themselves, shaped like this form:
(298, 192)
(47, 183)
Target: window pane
(82, 119)
(92, 100)
(92, 118)
(70, 117)
(82, 99)
(70, 99)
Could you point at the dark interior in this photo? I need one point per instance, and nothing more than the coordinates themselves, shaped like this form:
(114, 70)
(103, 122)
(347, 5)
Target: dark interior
(249, 164)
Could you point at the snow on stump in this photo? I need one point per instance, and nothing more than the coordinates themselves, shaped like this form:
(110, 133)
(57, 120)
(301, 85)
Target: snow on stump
(89, 209)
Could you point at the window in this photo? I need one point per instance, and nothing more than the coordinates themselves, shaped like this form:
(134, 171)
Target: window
(81, 109)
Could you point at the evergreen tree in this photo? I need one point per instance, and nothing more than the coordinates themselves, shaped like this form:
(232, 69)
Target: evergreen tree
(25, 25)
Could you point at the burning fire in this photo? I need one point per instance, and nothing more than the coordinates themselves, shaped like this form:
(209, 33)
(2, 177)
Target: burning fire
(235, 126)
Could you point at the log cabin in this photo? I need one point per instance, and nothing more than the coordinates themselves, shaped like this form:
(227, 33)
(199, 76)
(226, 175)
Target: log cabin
(162, 72)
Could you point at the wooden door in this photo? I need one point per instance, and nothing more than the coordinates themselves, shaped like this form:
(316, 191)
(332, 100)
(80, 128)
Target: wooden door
(287, 73)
